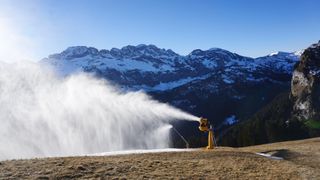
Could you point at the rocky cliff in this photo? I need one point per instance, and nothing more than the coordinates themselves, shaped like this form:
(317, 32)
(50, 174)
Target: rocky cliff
(305, 85)
(291, 115)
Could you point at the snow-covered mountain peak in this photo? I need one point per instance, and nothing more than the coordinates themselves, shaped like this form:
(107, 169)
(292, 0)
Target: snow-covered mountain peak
(215, 49)
(136, 52)
(286, 54)
(151, 68)
(216, 55)
(196, 52)
(210, 52)
(277, 53)
(75, 52)
(153, 50)
(298, 53)
(142, 50)
(218, 50)
(315, 45)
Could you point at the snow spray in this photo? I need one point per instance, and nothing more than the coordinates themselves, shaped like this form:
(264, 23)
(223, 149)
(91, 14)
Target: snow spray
(44, 115)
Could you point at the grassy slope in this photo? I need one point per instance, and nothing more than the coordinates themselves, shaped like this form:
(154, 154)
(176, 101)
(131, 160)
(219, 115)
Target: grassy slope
(301, 161)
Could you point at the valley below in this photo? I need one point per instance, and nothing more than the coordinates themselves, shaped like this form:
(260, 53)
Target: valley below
(296, 160)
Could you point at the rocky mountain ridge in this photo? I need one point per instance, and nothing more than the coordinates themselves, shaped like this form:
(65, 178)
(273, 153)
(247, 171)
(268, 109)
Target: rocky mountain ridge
(150, 68)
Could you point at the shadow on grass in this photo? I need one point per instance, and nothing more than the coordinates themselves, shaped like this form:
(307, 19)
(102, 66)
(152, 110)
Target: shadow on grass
(282, 153)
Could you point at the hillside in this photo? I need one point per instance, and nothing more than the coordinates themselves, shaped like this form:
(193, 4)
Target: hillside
(289, 116)
(301, 160)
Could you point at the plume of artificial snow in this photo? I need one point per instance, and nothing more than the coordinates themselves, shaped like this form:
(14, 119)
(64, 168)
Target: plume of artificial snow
(42, 114)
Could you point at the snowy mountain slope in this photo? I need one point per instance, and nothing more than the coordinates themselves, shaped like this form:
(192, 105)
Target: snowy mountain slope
(150, 68)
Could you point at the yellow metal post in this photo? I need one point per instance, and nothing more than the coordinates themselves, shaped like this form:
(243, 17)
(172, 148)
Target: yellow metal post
(210, 139)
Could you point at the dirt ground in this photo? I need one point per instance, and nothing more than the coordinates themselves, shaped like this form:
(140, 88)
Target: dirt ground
(301, 160)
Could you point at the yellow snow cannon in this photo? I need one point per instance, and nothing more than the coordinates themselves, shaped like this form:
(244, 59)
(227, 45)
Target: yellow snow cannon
(205, 126)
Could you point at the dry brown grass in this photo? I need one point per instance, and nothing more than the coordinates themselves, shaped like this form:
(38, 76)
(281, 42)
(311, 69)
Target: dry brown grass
(301, 161)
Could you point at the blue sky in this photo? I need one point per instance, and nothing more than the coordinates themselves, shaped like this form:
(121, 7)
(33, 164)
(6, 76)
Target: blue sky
(32, 29)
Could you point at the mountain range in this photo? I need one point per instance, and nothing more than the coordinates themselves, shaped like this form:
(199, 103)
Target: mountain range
(223, 86)
(150, 68)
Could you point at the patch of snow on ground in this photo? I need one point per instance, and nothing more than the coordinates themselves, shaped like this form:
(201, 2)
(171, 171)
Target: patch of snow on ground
(130, 64)
(209, 63)
(227, 79)
(69, 66)
(64, 67)
(314, 72)
(298, 53)
(269, 156)
(139, 151)
(173, 84)
(274, 53)
(230, 120)
(303, 105)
